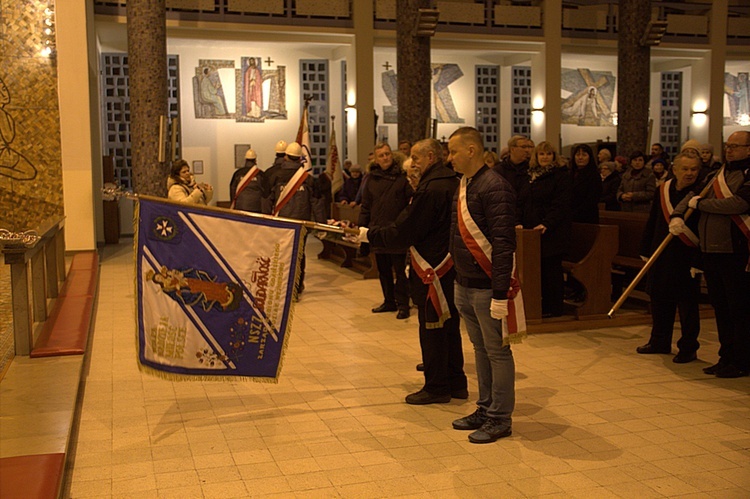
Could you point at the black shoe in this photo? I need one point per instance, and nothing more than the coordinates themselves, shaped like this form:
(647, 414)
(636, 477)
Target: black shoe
(420, 367)
(490, 431)
(712, 369)
(684, 357)
(462, 394)
(385, 307)
(423, 398)
(473, 421)
(649, 348)
(731, 371)
(403, 313)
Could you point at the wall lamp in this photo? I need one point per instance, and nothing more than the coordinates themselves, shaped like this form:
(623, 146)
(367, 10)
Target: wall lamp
(699, 117)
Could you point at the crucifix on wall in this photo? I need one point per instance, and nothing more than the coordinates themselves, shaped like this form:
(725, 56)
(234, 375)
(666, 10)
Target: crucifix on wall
(387, 65)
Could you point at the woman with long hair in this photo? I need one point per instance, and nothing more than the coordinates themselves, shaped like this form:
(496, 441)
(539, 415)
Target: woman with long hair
(587, 185)
(183, 188)
(544, 205)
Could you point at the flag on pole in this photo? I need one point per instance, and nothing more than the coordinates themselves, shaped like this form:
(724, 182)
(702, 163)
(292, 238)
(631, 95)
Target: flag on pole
(303, 137)
(333, 166)
(208, 307)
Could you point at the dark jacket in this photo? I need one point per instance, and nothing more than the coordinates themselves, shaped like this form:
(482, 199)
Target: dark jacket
(642, 184)
(492, 204)
(669, 277)
(546, 201)
(384, 196)
(587, 189)
(349, 190)
(516, 174)
(425, 223)
(251, 197)
(609, 191)
(305, 203)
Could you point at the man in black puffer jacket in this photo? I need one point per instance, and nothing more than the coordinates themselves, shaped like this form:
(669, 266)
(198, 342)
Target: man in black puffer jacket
(483, 240)
(424, 227)
(385, 194)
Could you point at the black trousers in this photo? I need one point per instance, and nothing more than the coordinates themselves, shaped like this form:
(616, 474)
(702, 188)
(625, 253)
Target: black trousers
(442, 351)
(663, 314)
(394, 292)
(553, 286)
(729, 294)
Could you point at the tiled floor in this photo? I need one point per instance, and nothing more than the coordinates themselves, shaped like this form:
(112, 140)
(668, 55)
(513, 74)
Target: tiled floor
(592, 419)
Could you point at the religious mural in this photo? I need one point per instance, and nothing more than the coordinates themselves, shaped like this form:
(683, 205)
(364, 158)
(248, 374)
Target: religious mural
(736, 99)
(587, 97)
(443, 75)
(257, 94)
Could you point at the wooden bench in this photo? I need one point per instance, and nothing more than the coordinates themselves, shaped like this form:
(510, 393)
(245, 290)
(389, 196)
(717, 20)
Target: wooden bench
(627, 263)
(589, 261)
(65, 332)
(344, 252)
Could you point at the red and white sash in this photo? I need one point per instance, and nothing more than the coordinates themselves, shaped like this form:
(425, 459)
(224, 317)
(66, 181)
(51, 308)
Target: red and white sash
(290, 189)
(722, 191)
(514, 326)
(244, 182)
(689, 237)
(435, 295)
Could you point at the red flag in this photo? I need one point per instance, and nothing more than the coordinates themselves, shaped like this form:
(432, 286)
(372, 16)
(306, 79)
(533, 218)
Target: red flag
(303, 138)
(333, 167)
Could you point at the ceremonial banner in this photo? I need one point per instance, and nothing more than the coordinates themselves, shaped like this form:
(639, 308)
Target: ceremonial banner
(214, 291)
(303, 137)
(333, 167)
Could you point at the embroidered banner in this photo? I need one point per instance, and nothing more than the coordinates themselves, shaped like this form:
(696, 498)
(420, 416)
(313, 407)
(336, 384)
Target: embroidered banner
(214, 291)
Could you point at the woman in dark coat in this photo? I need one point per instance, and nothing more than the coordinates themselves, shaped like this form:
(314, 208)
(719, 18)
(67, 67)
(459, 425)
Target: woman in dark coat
(610, 183)
(587, 186)
(544, 205)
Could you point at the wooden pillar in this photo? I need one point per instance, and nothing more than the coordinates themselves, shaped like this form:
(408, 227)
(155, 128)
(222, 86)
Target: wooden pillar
(147, 61)
(634, 72)
(361, 66)
(414, 72)
(718, 43)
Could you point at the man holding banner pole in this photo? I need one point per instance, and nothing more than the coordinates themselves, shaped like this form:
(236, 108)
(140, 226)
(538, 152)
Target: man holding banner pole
(483, 244)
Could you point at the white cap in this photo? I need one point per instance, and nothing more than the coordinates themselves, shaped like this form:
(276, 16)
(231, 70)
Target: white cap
(293, 150)
(691, 144)
(280, 147)
(250, 154)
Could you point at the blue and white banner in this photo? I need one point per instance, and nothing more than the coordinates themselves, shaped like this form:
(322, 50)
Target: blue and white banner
(214, 290)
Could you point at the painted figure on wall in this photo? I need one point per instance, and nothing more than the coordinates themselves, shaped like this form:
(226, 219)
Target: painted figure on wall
(253, 87)
(737, 99)
(587, 97)
(389, 81)
(209, 95)
(443, 75)
(211, 91)
(12, 163)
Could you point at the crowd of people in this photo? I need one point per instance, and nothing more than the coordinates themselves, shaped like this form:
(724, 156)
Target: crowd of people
(441, 219)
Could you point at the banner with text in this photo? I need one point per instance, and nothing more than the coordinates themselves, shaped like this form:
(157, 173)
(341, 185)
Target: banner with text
(214, 291)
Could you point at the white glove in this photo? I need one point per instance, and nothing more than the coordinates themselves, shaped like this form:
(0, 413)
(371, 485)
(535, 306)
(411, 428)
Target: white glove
(499, 309)
(644, 258)
(694, 272)
(362, 238)
(693, 203)
(677, 226)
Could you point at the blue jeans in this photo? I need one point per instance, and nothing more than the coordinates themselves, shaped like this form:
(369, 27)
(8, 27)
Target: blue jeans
(496, 370)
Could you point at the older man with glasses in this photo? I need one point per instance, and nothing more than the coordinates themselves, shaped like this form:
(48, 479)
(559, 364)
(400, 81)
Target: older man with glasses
(515, 167)
(724, 229)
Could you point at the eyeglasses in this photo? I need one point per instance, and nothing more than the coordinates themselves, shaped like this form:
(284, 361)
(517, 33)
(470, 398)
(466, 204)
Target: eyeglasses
(732, 147)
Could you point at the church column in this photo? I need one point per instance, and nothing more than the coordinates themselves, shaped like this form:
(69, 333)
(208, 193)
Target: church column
(545, 78)
(633, 73)
(718, 40)
(147, 60)
(362, 84)
(414, 71)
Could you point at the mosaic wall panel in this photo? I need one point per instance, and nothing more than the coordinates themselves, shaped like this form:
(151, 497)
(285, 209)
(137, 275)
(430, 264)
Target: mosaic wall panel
(587, 97)
(30, 160)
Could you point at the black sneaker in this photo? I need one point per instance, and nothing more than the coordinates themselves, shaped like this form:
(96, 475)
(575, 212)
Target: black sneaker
(385, 307)
(423, 398)
(714, 368)
(473, 421)
(491, 430)
(731, 371)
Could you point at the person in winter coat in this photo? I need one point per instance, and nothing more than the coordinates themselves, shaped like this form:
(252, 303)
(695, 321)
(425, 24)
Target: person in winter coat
(250, 195)
(348, 193)
(587, 186)
(638, 185)
(384, 195)
(183, 188)
(610, 183)
(670, 284)
(544, 205)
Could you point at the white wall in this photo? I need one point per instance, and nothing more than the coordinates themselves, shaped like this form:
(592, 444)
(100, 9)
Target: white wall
(212, 140)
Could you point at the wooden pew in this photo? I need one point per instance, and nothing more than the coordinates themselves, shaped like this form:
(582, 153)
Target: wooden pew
(344, 252)
(528, 255)
(589, 261)
(627, 263)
